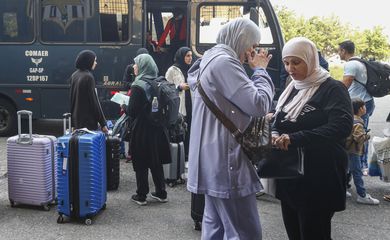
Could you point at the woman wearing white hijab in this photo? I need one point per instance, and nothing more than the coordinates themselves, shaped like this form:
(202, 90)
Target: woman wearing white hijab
(313, 112)
(217, 166)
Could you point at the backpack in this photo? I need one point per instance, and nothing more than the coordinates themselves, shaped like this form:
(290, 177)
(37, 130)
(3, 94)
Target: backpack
(168, 101)
(378, 77)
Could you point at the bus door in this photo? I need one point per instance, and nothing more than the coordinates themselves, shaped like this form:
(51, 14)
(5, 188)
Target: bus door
(209, 16)
(158, 18)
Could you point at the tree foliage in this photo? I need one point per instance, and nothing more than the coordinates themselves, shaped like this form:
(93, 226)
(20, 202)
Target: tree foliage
(328, 32)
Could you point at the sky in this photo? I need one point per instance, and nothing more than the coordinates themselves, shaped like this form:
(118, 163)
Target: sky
(360, 13)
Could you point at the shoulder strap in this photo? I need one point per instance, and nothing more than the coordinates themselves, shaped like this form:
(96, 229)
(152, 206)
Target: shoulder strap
(215, 110)
(218, 113)
(362, 61)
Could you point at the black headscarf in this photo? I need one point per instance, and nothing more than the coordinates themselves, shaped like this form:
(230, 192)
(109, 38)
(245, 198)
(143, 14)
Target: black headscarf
(85, 60)
(179, 61)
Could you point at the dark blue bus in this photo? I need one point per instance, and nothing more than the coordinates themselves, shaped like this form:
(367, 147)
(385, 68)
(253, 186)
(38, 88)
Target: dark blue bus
(39, 40)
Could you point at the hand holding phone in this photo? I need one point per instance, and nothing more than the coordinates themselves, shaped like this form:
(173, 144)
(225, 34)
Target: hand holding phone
(258, 57)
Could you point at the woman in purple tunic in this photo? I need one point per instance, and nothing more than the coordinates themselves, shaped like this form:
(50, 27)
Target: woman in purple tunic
(218, 167)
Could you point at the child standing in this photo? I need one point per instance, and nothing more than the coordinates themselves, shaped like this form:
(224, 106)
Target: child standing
(355, 143)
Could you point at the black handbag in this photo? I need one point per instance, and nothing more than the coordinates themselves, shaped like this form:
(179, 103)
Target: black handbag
(281, 164)
(256, 140)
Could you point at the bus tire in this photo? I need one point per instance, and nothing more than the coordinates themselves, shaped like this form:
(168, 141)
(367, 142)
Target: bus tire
(8, 120)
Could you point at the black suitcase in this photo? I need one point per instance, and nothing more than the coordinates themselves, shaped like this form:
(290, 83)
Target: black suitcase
(112, 158)
(197, 209)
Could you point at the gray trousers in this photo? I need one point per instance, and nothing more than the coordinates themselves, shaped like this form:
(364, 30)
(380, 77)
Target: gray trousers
(231, 219)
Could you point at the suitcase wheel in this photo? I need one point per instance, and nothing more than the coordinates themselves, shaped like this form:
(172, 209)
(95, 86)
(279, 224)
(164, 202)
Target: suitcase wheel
(181, 181)
(12, 203)
(88, 221)
(104, 207)
(197, 226)
(60, 219)
(171, 184)
(46, 207)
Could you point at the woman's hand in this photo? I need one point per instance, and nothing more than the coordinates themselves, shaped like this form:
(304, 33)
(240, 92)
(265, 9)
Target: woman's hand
(184, 86)
(269, 116)
(275, 136)
(282, 142)
(258, 60)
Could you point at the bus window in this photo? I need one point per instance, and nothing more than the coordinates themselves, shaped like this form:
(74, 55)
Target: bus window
(91, 21)
(114, 21)
(64, 22)
(212, 19)
(16, 24)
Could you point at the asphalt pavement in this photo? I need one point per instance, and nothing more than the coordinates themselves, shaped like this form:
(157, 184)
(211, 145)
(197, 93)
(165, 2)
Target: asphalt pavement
(124, 219)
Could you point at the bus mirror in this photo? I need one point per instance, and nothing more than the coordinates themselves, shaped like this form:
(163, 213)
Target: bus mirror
(254, 15)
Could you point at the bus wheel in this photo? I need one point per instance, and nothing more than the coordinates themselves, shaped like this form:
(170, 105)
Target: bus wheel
(8, 121)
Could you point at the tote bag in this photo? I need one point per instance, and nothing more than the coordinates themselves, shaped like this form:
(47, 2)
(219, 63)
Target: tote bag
(281, 164)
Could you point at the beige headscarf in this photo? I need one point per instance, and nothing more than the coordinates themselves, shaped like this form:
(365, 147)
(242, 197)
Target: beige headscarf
(306, 50)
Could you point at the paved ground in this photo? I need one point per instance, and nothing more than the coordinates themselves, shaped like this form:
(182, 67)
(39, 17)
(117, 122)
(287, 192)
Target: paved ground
(125, 220)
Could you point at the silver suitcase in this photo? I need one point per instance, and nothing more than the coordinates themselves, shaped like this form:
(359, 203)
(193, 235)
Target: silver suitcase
(174, 170)
(31, 161)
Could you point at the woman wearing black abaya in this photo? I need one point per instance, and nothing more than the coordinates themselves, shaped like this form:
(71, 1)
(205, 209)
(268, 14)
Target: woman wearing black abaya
(84, 103)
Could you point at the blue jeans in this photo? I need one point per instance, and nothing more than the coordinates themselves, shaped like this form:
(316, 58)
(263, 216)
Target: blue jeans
(355, 168)
(370, 106)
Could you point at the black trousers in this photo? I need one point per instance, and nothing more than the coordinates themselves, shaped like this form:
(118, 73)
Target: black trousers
(306, 224)
(142, 179)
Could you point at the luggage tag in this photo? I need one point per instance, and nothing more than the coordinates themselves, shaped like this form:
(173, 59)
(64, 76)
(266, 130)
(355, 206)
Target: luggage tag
(64, 166)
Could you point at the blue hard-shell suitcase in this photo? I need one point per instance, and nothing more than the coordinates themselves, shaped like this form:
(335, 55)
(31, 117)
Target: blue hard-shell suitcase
(81, 169)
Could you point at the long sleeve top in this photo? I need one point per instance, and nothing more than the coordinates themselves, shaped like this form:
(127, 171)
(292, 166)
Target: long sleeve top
(355, 141)
(321, 129)
(149, 144)
(175, 76)
(170, 29)
(217, 165)
(85, 106)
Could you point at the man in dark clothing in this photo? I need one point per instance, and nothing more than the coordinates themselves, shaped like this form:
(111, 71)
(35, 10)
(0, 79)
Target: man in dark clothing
(84, 103)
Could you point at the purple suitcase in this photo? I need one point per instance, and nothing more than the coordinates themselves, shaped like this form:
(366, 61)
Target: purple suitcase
(31, 161)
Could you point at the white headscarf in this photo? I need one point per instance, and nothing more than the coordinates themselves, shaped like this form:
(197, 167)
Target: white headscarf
(306, 50)
(239, 34)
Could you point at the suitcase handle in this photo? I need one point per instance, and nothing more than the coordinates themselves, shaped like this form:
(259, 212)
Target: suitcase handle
(22, 139)
(67, 116)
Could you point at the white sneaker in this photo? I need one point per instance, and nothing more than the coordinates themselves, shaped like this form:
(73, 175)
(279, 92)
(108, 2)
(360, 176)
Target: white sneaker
(348, 194)
(367, 200)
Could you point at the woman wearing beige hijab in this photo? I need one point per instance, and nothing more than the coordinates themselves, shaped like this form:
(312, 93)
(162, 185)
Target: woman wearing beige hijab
(313, 112)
